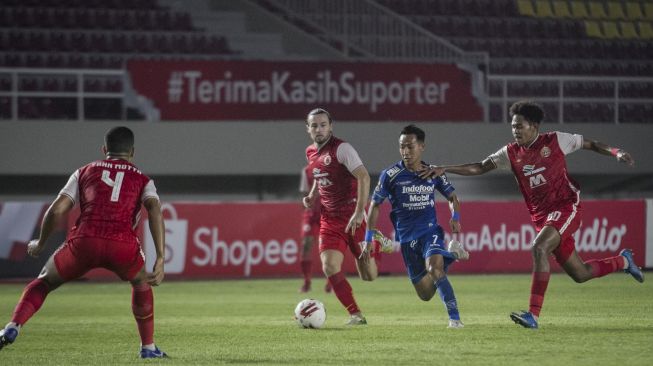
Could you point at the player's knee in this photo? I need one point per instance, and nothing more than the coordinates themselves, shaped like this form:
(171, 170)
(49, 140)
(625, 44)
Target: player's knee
(424, 296)
(330, 269)
(580, 277)
(436, 273)
(539, 251)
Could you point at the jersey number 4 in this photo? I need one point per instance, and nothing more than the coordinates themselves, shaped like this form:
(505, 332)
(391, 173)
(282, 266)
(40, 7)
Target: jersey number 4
(116, 184)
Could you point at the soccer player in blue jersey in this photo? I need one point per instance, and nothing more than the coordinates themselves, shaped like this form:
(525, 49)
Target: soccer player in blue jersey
(416, 227)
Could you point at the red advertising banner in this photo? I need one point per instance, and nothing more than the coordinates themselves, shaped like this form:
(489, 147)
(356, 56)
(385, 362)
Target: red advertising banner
(261, 90)
(241, 240)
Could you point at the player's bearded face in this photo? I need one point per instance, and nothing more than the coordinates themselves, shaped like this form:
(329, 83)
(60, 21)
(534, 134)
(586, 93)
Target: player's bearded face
(319, 128)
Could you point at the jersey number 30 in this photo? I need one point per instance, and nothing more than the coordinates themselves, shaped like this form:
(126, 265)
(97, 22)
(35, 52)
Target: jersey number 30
(116, 184)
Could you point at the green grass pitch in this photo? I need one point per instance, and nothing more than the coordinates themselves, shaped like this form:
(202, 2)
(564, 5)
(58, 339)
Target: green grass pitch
(607, 321)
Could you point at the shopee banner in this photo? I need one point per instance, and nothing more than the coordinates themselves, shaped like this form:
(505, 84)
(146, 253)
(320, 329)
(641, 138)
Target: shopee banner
(262, 90)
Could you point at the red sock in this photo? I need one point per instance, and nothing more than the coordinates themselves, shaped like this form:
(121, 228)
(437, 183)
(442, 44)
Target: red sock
(538, 288)
(602, 267)
(306, 270)
(344, 292)
(31, 301)
(143, 309)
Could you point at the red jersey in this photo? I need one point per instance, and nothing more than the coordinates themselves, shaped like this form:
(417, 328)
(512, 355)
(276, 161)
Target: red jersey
(331, 166)
(110, 193)
(311, 215)
(541, 171)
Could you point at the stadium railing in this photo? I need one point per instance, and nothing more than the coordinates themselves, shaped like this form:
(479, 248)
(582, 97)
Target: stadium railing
(569, 99)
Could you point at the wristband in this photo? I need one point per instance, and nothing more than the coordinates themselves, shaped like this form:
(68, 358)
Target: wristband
(369, 234)
(614, 151)
(455, 216)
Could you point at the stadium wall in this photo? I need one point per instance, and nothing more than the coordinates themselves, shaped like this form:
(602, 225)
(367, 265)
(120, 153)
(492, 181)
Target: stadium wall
(277, 147)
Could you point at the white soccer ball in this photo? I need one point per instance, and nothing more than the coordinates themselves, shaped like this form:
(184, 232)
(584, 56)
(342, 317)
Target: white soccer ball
(310, 313)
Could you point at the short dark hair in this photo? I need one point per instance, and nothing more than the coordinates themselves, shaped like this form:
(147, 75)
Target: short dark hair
(119, 140)
(319, 111)
(414, 130)
(531, 111)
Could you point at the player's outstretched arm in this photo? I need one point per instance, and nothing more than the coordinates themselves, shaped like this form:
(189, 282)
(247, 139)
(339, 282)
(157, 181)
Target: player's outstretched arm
(57, 210)
(601, 148)
(432, 171)
(157, 229)
(363, 194)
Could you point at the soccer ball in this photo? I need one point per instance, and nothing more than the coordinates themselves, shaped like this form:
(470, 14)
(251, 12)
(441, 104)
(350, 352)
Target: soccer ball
(310, 313)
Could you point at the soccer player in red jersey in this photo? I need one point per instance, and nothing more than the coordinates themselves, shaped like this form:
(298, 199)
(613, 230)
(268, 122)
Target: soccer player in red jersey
(310, 230)
(553, 199)
(342, 184)
(110, 193)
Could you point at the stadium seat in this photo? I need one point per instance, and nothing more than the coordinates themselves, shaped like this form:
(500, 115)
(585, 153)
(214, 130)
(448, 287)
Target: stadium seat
(593, 29)
(615, 10)
(645, 30)
(628, 30)
(634, 11)
(526, 8)
(648, 10)
(610, 30)
(578, 10)
(561, 9)
(543, 9)
(596, 10)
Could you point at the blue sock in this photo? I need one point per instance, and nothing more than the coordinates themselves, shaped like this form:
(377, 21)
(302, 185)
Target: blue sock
(448, 297)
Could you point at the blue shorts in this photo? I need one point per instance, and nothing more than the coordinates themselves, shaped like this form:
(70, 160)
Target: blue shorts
(417, 251)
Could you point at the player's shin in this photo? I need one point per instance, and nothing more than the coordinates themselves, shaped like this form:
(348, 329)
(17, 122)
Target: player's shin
(143, 309)
(33, 297)
(344, 292)
(605, 266)
(540, 282)
(448, 297)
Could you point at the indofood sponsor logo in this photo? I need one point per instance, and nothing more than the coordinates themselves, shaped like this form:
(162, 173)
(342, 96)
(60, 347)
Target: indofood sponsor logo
(421, 189)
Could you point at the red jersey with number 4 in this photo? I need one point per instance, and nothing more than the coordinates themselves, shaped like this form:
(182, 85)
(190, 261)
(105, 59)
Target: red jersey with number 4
(110, 193)
(331, 165)
(541, 172)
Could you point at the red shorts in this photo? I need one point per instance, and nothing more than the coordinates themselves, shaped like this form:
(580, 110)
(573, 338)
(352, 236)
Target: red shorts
(333, 235)
(566, 221)
(77, 256)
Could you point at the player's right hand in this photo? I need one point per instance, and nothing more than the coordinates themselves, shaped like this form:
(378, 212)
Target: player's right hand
(430, 171)
(307, 201)
(156, 277)
(34, 249)
(624, 157)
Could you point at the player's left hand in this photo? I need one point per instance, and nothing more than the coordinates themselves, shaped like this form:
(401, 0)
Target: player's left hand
(354, 222)
(156, 277)
(430, 171)
(34, 249)
(624, 157)
(455, 226)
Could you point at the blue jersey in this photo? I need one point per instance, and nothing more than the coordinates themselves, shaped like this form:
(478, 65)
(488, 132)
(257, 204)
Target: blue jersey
(412, 199)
